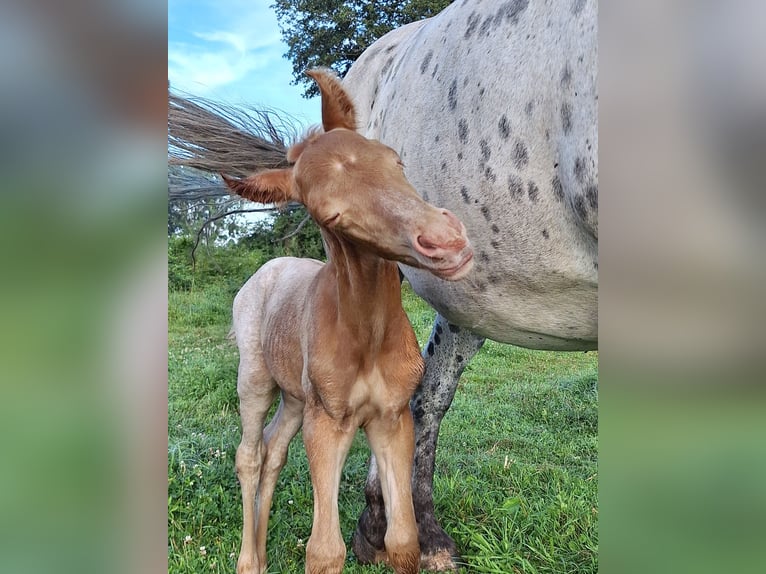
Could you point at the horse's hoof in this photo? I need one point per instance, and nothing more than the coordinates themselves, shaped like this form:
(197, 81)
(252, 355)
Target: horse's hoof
(364, 551)
(440, 561)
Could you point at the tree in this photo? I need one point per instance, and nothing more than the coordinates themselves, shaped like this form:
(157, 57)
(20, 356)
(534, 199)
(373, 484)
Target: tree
(334, 34)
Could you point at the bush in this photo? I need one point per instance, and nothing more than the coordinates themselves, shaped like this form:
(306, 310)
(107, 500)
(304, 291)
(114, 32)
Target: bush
(268, 236)
(232, 264)
(229, 265)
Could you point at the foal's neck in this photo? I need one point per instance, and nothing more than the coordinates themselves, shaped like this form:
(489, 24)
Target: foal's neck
(368, 288)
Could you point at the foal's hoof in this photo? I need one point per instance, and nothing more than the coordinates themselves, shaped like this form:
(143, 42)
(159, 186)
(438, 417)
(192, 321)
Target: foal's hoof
(364, 550)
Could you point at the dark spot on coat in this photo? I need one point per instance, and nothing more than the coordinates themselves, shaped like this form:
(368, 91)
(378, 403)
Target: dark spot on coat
(532, 191)
(444, 165)
(591, 194)
(426, 61)
(481, 92)
(512, 9)
(504, 127)
(473, 21)
(579, 207)
(459, 358)
(462, 131)
(436, 139)
(486, 152)
(436, 67)
(529, 108)
(566, 76)
(515, 186)
(430, 349)
(580, 169)
(391, 48)
(495, 244)
(495, 228)
(387, 66)
(558, 189)
(452, 95)
(464, 194)
(485, 212)
(489, 174)
(595, 265)
(460, 155)
(577, 6)
(437, 339)
(486, 26)
(454, 329)
(566, 117)
(439, 329)
(545, 233)
(484, 257)
(520, 155)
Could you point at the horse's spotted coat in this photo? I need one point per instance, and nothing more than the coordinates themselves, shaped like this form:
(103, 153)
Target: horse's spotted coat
(503, 133)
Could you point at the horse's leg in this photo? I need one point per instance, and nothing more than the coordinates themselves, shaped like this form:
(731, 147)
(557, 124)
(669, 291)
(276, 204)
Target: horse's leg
(256, 391)
(447, 353)
(276, 439)
(393, 443)
(327, 442)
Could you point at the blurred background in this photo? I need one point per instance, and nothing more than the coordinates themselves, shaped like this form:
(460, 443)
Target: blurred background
(83, 150)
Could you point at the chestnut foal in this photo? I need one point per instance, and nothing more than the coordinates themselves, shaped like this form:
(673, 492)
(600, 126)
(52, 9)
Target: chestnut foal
(333, 338)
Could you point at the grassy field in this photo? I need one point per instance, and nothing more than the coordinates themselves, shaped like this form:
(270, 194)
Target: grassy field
(516, 468)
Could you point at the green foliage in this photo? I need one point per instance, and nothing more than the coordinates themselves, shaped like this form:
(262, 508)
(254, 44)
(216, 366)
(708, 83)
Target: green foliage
(229, 266)
(288, 233)
(334, 34)
(516, 471)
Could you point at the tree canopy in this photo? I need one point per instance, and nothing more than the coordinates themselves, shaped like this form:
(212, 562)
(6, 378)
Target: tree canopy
(334, 33)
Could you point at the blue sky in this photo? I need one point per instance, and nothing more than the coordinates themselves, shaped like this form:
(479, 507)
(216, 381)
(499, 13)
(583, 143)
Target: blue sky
(232, 51)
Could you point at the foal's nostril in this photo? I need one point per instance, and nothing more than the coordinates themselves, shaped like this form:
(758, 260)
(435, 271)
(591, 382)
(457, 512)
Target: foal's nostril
(426, 244)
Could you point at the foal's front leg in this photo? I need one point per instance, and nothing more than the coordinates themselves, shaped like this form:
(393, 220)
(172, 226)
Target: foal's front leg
(392, 441)
(327, 442)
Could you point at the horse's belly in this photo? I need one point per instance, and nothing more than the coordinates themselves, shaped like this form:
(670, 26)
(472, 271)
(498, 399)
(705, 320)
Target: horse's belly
(564, 319)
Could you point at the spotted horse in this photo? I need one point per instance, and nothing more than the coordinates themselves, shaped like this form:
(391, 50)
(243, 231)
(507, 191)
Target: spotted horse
(492, 106)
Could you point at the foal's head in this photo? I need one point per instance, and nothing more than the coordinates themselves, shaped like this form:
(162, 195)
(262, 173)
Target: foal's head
(355, 189)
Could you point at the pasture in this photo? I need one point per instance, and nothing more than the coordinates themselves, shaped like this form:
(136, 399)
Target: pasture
(516, 468)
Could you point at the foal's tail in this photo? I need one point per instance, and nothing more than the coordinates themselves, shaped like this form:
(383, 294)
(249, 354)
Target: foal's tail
(218, 138)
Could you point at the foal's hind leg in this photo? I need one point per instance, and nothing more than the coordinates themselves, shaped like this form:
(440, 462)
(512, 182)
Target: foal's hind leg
(256, 391)
(277, 436)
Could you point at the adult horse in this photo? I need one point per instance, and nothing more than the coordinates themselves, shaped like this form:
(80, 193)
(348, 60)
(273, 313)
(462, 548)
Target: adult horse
(492, 106)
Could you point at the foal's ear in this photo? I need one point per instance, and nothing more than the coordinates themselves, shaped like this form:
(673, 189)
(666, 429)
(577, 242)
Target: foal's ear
(337, 107)
(270, 186)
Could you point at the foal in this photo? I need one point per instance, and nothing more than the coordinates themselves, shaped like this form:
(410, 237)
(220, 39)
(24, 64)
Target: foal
(333, 338)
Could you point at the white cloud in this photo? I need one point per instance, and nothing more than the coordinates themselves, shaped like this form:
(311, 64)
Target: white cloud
(231, 50)
(237, 41)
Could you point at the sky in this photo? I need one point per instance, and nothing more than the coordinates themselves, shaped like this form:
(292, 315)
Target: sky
(232, 51)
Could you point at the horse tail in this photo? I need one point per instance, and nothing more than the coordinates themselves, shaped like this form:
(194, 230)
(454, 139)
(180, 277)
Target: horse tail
(217, 138)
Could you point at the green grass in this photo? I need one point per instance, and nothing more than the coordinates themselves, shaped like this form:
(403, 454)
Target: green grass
(516, 468)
